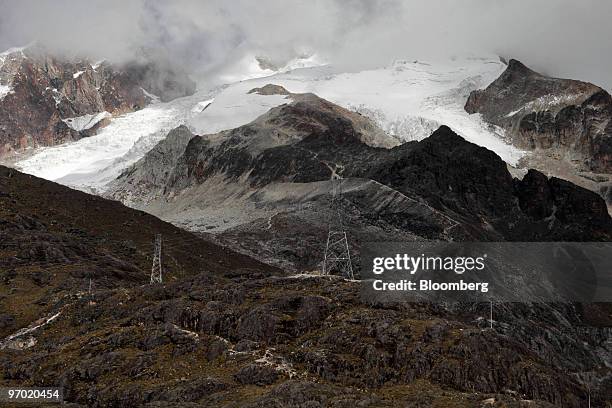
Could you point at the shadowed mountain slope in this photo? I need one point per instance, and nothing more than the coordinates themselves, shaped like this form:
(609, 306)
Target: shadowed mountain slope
(227, 331)
(265, 187)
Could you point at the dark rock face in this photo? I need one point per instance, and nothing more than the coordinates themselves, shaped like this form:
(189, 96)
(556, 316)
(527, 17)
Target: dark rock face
(573, 206)
(275, 147)
(440, 188)
(256, 374)
(606, 192)
(577, 205)
(47, 93)
(535, 195)
(517, 86)
(154, 169)
(540, 112)
(466, 182)
(451, 173)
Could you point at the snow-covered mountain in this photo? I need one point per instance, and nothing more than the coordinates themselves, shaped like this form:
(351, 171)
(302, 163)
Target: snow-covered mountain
(407, 99)
(267, 187)
(47, 100)
(269, 182)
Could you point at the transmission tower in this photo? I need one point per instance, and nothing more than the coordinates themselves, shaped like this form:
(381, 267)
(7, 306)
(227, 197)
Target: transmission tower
(337, 254)
(156, 269)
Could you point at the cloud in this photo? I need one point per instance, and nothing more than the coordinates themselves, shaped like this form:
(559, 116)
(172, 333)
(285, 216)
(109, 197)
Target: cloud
(560, 37)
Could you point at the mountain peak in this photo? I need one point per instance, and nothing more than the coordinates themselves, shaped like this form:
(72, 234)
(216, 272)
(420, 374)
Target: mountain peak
(445, 132)
(517, 65)
(535, 109)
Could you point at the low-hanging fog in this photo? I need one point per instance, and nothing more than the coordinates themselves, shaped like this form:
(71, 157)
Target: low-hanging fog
(568, 38)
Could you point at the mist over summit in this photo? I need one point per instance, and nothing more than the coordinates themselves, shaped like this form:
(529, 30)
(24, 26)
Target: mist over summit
(561, 38)
(193, 196)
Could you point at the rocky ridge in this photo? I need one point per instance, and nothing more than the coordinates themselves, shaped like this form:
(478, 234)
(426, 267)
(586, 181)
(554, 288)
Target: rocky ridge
(269, 182)
(566, 120)
(51, 100)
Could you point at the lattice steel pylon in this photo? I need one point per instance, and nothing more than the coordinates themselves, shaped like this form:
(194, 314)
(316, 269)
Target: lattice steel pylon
(337, 253)
(156, 269)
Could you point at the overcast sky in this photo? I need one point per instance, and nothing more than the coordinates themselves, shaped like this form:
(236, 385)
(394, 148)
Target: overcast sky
(569, 38)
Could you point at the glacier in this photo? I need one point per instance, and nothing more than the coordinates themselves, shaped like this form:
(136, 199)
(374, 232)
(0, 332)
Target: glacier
(407, 99)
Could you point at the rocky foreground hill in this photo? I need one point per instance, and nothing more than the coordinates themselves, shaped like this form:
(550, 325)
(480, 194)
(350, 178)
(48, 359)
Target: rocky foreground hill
(562, 120)
(227, 331)
(47, 100)
(233, 325)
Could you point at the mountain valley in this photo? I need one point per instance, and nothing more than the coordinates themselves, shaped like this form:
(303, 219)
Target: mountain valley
(241, 184)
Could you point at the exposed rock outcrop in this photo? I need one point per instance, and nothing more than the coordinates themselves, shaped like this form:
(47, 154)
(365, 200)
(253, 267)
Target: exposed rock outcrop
(51, 100)
(540, 112)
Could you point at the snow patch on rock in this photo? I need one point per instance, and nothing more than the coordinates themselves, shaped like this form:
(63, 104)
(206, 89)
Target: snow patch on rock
(548, 102)
(57, 95)
(85, 122)
(97, 64)
(6, 53)
(5, 90)
(278, 362)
